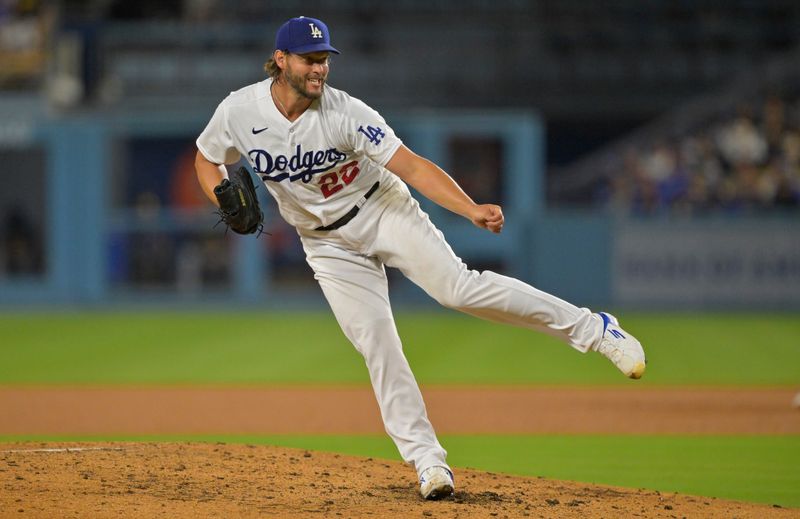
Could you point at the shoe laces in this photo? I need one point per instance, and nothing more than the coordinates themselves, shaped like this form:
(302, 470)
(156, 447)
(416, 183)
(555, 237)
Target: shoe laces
(610, 350)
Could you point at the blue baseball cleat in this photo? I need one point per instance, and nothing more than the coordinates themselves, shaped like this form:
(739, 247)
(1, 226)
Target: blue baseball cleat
(621, 348)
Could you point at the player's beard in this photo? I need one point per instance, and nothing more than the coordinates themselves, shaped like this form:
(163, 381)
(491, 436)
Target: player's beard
(298, 84)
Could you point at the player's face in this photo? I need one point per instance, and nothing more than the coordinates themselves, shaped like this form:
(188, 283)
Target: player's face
(306, 73)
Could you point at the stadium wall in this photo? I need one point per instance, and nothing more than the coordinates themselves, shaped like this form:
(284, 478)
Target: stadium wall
(84, 165)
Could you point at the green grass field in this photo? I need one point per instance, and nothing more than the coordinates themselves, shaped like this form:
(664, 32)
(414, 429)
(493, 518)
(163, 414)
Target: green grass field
(446, 348)
(443, 348)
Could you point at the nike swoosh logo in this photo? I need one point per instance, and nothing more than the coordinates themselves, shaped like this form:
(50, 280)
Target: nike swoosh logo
(256, 132)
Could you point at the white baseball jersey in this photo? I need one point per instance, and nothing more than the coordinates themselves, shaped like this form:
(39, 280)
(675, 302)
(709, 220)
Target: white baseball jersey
(317, 167)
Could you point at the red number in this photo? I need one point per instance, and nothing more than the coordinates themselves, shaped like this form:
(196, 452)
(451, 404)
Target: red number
(349, 171)
(329, 183)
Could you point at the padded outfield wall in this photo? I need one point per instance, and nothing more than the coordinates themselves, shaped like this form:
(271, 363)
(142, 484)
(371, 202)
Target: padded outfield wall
(107, 203)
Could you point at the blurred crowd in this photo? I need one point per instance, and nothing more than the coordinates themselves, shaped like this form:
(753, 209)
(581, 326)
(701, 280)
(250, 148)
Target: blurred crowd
(747, 161)
(25, 28)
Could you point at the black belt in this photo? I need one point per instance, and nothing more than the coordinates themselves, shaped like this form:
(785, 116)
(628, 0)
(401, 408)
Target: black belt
(351, 213)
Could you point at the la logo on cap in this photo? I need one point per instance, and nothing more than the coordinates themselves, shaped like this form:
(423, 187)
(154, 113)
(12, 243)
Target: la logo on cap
(303, 35)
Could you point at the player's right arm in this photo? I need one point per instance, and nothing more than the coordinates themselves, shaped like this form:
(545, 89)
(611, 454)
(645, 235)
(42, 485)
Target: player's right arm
(367, 132)
(209, 174)
(436, 185)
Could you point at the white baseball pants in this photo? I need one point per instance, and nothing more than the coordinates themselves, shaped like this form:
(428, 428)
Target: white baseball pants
(392, 230)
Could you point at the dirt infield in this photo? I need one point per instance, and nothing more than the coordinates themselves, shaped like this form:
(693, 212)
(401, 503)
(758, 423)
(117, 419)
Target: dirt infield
(205, 480)
(219, 480)
(352, 410)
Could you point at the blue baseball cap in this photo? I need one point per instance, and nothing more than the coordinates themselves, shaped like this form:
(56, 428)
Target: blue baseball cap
(302, 35)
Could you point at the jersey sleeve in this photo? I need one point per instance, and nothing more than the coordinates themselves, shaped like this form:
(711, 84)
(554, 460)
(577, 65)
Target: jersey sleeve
(216, 142)
(366, 132)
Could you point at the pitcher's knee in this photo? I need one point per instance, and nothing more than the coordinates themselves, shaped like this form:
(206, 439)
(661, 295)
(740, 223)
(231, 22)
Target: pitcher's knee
(461, 292)
(371, 333)
(449, 299)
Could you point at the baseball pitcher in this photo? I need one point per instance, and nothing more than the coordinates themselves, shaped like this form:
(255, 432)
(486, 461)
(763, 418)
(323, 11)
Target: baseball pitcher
(339, 175)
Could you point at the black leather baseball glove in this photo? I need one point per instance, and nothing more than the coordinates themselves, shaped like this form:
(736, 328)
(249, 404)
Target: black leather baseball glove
(238, 203)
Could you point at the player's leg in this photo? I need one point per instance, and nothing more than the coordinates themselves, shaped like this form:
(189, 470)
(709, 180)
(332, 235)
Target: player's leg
(357, 291)
(409, 241)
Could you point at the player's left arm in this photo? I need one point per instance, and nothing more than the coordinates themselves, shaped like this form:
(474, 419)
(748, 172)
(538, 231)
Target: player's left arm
(436, 185)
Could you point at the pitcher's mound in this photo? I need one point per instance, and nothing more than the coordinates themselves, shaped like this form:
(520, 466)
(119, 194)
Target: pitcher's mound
(191, 480)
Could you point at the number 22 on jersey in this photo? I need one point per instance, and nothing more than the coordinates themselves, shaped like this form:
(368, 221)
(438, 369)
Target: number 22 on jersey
(333, 182)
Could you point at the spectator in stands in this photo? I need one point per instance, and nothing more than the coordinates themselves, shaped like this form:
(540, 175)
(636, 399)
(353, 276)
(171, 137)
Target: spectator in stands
(740, 141)
(22, 244)
(746, 163)
(25, 28)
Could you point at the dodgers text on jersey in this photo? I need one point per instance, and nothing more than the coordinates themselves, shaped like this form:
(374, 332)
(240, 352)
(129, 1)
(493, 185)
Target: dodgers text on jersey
(302, 165)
